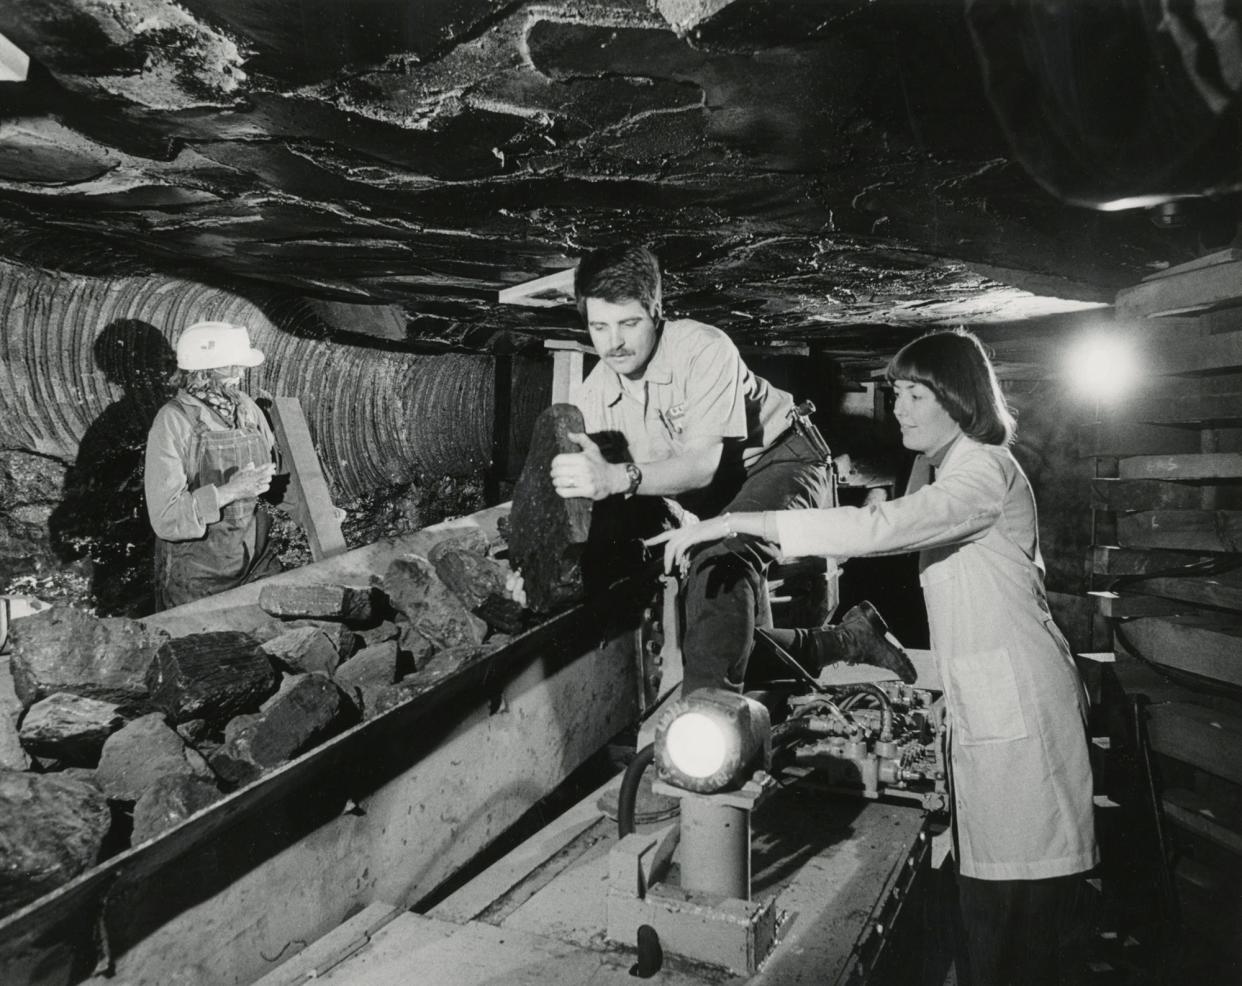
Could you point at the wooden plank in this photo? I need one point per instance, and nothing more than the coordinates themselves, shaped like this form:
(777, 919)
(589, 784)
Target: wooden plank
(1223, 591)
(1211, 353)
(318, 519)
(549, 291)
(1206, 645)
(1187, 530)
(1185, 408)
(1110, 560)
(1207, 260)
(1114, 437)
(14, 63)
(1217, 465)
(1144, 494)
(1207, 738)
(333, 948)
(1186, 291)
(1195, 814)
(1118, 605)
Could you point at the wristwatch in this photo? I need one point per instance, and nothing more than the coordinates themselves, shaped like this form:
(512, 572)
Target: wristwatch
(635, 476)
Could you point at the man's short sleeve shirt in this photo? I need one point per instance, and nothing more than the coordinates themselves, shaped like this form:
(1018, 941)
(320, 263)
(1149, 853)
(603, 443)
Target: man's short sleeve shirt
(695, 388)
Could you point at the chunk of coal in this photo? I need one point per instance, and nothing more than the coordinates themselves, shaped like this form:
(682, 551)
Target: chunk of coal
(349, 604)
(503, 614)
(548, 534)
(70, 728)
(210, 676)
(140, 753)
(417, 593)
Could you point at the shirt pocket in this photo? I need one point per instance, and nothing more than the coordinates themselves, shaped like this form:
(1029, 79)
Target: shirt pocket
(987, 705)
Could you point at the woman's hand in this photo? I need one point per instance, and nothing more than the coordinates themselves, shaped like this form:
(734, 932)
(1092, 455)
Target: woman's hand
(677, 543)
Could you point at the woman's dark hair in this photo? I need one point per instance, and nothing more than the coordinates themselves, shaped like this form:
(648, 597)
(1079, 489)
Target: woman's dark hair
(954, 366)
(619, 273)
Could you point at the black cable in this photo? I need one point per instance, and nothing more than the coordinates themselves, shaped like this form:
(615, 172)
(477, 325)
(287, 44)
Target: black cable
(627, 797)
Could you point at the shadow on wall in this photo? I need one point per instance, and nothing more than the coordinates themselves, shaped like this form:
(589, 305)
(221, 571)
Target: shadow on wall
(102, 516)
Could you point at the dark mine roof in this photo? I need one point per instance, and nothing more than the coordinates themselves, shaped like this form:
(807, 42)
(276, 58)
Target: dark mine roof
(827, 172)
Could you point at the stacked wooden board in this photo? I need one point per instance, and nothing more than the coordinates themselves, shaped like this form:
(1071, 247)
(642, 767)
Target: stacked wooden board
(1166, 572)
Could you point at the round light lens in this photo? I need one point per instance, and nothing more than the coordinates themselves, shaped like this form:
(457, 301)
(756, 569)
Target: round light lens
(696, 745)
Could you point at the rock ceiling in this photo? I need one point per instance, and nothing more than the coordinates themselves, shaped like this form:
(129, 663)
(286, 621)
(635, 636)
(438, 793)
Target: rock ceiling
(824, 172)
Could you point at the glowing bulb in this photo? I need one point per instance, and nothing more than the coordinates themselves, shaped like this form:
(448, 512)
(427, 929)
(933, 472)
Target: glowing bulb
(1103, 367)
(696, 744)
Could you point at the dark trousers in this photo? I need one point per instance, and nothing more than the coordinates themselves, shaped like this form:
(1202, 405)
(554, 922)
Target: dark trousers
(1024, 932)
(725, 589)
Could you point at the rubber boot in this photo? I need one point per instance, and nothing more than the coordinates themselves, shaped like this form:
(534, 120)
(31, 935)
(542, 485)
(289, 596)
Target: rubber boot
(861, 638)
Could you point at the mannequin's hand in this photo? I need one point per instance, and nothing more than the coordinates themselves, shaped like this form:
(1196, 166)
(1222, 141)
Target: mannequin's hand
(248, 483)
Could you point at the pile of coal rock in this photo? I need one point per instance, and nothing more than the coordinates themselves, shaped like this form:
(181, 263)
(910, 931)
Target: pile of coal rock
(111, 731)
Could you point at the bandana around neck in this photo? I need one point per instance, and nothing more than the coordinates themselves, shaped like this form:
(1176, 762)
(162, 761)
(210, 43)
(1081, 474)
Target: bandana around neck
(225, 400)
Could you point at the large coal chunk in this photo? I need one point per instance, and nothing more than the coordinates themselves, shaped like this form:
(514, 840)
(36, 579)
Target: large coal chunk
(69, 728)
(471, 576)
(349, 604)
(416, 592)
(170, 801)
(12, 756)
(303, 650)
(138, 755)
(51, 829)
(211, 676)
(548, 534)
(306, 710)
(365, 675)
(66, 650)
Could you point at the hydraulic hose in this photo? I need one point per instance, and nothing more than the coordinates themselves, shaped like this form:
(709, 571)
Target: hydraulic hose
(628, 795)
(886, 704)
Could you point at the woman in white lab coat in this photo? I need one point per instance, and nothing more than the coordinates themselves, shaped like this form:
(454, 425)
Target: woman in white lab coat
(1020, 774)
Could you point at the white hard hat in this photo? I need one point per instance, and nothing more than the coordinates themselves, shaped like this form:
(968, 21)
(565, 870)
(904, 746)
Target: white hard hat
(210, 345)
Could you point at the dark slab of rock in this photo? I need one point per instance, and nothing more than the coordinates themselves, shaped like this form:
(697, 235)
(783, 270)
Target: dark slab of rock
(547, 534)
(443, 665)
(51, 829)
(12, 756)
(66, 650)
(416, 593)
(170, 801)
(416, 650)
(70, 728)
(469, 574)
(344, 637)
(349, 604)
(140, 753)
(502, 614)
(306, 710)
(368, 673)
(212, 676)
(387, 630)
(303, 650)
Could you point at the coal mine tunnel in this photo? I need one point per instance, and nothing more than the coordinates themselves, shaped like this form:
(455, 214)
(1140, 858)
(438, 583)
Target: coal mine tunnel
(303, 656)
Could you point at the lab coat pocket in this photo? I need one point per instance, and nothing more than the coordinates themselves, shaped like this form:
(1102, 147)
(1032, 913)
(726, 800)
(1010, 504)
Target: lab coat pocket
(987, 706)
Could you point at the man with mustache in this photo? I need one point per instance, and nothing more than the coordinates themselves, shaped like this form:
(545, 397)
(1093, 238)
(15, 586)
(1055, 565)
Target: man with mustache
(699, 426)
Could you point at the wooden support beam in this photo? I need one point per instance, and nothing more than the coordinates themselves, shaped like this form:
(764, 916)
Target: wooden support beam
(1219, 465)
(318, 519)
(1185, 408)
(1186, 530)
(1144, 494)
(14, 63)
(567, 368)
(1124, 605)
(1222, 591)
(1207, 260)
(1189, 289)
(1203, 354)
(549, 291)
(1110, 560)
(1206, 645)
(1207, 738)
(1116, 437)
(1194, 813)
